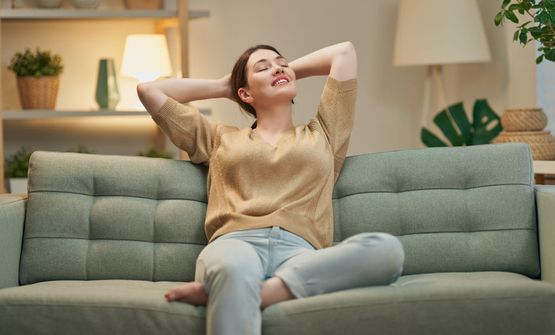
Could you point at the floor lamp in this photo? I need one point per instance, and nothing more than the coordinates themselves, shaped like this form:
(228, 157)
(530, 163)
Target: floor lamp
(438, 32)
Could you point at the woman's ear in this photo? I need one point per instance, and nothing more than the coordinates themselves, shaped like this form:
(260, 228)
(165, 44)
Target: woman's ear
(245, 95)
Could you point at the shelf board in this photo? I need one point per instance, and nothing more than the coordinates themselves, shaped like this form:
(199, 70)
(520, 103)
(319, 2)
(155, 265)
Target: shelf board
(36, 114)
(97, 14)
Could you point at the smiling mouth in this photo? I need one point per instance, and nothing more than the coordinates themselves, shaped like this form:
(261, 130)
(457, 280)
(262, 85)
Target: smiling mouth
(280, 81)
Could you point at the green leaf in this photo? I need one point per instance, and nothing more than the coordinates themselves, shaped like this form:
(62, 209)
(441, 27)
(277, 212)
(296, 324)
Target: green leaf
(523, 37)
(511, 16)
(498, 18)
(542, 17)
(457, 113)
(487, 124)
(443, 121)
(484, 128)
(505, 3)
(431, 140)
(539, 59)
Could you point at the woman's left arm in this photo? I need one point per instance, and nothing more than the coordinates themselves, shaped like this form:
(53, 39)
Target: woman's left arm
(338, 61)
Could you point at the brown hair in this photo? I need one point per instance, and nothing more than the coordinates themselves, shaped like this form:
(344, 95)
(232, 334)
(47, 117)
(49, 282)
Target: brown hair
(239, 76)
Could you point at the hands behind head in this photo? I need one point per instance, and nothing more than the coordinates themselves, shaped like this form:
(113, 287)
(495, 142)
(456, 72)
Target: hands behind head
(226, 87)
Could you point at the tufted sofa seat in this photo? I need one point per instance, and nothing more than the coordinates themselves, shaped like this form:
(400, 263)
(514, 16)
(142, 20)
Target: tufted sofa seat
(101, 238)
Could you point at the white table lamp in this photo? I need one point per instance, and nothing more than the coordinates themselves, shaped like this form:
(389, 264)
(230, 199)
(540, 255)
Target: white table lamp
(146, 57)
(437, 32)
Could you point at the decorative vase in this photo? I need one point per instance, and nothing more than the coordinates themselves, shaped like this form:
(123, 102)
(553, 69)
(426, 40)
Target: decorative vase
(38, 92)
(143, 4)
(87, 4)
(107, 93)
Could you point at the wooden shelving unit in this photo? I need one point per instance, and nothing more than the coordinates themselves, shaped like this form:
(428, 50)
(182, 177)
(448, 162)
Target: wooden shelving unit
(162, 17)
(36, 114)
(92, 14)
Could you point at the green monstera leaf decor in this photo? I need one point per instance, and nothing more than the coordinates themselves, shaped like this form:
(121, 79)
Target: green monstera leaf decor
(456, 127)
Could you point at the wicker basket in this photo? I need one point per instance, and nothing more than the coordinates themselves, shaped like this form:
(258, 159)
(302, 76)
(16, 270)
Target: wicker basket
(38, 92)
(542, 143)
(525, 136)
(524, 119)
(143, 4)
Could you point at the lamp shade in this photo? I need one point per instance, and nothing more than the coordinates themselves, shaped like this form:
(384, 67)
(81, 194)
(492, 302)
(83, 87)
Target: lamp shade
(435, 32)
(146, 57)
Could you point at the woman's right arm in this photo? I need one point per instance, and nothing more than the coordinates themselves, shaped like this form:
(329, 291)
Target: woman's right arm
(154, 94)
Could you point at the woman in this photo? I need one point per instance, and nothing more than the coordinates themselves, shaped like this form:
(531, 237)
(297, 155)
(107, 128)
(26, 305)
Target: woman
(269, 218)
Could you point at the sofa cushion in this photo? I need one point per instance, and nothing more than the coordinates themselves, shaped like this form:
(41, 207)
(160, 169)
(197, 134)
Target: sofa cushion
(454, 209)
(441, 303)
(93, 217)
(96, 307)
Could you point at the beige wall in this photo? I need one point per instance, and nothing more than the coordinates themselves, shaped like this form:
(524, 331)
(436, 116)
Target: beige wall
(389, 101)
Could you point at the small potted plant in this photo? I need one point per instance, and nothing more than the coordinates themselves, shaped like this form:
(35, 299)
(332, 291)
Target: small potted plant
(17, 167)
(37, 78)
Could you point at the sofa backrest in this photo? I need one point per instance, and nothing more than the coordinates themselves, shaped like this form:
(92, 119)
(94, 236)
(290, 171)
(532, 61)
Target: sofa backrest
(104, 217)
(454, 209)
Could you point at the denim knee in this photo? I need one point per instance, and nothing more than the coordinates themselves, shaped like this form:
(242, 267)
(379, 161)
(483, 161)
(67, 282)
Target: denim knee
(387, 245)
(220, 267)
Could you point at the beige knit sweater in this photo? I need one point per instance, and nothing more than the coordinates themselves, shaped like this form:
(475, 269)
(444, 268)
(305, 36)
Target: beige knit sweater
(253, 184)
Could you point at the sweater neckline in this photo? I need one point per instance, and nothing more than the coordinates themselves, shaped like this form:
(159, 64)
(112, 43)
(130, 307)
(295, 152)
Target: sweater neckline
(285, 134)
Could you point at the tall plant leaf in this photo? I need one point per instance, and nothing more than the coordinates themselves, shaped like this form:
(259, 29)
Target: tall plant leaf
(487, 124)
(443, 121)
(457, 113)
(431, 140)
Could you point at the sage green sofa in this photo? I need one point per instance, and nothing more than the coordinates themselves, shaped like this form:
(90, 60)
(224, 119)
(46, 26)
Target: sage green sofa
(101, 238)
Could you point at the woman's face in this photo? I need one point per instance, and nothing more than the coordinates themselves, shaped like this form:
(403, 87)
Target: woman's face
(270, 79)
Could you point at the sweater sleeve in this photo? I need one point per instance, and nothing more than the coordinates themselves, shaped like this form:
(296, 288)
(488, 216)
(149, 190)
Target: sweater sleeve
(188, 129)
(335, 116)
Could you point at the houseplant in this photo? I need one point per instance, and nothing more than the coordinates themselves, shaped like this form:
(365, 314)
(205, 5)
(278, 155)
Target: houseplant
(16, 170)
(37, 78)
(539, 24)
(456, 127)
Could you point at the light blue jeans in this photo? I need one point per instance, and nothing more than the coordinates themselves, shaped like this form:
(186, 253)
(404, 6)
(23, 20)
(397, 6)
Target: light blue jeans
(233, 267)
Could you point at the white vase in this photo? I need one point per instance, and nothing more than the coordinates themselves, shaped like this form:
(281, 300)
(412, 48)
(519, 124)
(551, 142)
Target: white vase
(49, 3)
(18, 185)
(85, 3)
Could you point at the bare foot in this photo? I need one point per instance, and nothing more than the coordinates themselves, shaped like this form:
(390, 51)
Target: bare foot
(191, 293)
(273, 291)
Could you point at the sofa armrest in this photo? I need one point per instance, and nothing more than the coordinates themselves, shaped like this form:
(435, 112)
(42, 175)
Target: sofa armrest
(12, 215)
(545, 202)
